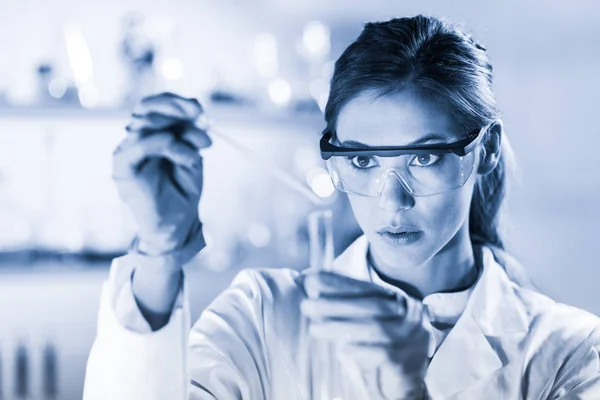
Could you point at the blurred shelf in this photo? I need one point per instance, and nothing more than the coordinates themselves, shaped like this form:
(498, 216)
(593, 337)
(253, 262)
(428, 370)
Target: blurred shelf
(35, 257)
(224, 113)
(61, 112)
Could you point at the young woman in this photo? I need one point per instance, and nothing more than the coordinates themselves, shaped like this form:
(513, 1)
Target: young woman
(425, 303)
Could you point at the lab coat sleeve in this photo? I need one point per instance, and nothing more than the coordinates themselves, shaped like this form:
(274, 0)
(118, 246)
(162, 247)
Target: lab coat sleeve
(578, 377)
(127, 360)
(228, 356)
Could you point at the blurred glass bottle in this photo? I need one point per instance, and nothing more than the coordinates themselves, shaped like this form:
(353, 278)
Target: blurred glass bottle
(49, 372)
(21, 373)
(138, 52)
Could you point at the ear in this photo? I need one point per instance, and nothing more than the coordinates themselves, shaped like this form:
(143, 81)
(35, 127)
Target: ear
(492, 148)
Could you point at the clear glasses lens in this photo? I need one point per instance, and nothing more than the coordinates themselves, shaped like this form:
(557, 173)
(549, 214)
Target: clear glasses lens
(422, 175)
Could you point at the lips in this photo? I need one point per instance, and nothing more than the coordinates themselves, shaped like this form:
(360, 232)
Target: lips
(402, 237)
(395, 229)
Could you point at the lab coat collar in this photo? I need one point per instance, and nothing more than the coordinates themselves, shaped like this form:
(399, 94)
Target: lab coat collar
(493, 310)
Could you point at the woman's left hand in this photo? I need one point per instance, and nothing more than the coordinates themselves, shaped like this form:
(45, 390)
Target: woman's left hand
(373, 328)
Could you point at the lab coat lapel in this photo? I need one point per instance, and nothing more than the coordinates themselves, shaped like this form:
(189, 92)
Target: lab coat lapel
(466, 356)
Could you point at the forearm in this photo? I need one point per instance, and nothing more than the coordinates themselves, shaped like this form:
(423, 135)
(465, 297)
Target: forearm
(158, 276)
(155, 293)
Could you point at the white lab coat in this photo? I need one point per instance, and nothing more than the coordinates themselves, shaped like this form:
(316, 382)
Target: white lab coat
(509, 343)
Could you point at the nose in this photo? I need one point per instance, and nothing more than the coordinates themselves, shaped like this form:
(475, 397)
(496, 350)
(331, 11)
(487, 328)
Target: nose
(394, 195)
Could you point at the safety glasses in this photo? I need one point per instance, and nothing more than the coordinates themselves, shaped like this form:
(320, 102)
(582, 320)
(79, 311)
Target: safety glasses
(460, 147)
(422, 170)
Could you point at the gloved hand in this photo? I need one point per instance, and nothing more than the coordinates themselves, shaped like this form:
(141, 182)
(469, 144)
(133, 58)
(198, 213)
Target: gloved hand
(158, 173)
(378, 335)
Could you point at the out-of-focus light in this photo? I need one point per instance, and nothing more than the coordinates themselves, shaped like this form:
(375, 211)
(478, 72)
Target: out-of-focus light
(327, 69)
(316, 38)
(80, 60)
(172, 69)
(79, 54)
(57, 88)
(214, 79)
(304, 158)
(157, 27)
(322, 185)
(280, 91)
(313, 173)
(208, 239)
(265, 55)
(322, 101)
(259, 235)
(319, 90)
(318, 87)
(88, 97)
(219, 260)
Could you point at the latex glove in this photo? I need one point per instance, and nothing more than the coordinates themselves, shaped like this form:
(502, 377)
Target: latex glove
(375, 330)
(158, 173)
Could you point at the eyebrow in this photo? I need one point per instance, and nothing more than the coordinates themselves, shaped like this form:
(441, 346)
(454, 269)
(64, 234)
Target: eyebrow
(427, 138)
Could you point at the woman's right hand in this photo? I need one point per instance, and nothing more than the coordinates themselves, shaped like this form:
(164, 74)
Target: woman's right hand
(158, 170)
(158, 173)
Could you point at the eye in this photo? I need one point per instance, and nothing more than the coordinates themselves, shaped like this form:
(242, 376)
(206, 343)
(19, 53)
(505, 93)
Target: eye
(425, 160)
(363, 162)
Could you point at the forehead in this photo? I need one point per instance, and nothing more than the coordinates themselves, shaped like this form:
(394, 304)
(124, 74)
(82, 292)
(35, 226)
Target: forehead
(393, 120)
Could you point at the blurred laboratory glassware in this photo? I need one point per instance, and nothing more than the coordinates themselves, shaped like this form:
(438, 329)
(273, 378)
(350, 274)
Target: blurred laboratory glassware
(22, 386)
(49, 372)
(138, 52)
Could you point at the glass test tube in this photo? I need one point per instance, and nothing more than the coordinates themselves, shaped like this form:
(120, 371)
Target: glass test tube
(325, 381)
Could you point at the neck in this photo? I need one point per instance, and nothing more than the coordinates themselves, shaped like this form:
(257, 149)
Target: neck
(452, 269)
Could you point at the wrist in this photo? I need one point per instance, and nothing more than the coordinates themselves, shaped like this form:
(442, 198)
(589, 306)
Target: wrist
(169, 260)
(160, 244)
(155, 294)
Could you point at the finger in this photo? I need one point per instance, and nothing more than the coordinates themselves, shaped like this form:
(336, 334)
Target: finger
(385, 331)
(390, 372)
(410, 354)
(152, 120)
(191, 106)
(128, 157)
(190, 178)
(365, 354)
(170, 105)
(128, 141)
(360, 307)
(327, 283)
(196, 137)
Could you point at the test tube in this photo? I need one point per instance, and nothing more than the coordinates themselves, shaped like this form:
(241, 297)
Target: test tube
(325, 381)
(320, 233)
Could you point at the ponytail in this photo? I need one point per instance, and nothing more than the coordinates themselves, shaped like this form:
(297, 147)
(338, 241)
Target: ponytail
(485, 217)
(486, 203)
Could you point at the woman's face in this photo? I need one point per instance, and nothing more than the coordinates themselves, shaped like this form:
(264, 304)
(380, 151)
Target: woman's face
(432, 222)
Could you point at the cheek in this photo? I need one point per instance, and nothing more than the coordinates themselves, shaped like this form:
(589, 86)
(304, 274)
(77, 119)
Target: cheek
(449, 211)
(445, 213)
(363, 208)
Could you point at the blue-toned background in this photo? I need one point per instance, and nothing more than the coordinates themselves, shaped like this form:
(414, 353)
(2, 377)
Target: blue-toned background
(261, 69)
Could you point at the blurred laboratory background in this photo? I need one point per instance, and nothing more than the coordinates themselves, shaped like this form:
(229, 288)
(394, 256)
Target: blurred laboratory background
(71, 71)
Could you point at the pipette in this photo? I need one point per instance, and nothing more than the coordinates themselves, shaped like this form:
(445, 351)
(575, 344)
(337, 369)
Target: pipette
(202, 122)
